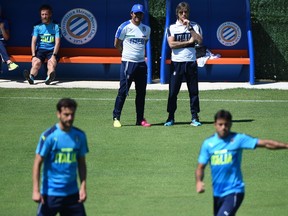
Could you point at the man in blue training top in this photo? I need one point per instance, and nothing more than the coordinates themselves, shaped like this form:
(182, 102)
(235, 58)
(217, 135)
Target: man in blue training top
(45, 44)
(62, 149)
(223, 151)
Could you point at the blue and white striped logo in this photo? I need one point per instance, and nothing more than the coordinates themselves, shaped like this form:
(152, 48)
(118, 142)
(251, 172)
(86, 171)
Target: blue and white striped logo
(78, 26)
(229, 33)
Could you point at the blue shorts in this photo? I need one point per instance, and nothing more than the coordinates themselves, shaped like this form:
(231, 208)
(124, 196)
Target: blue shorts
(68, 205)
(227, 205)
(43, 54)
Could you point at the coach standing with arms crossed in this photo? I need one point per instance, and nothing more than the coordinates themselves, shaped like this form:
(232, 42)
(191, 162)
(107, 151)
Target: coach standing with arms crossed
(182, 37)
(130, 39)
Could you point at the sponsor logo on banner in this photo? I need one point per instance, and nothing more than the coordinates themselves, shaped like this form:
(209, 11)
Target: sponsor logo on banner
(228, 33)
(78, 26)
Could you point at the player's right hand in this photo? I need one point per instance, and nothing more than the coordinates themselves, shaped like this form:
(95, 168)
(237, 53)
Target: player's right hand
(200, 187)
(36, 197)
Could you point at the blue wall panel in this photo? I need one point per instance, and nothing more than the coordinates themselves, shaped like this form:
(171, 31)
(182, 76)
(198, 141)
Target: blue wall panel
(109, 14)
(210, 14)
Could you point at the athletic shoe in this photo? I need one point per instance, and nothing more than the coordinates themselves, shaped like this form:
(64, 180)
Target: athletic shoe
(50, 78)
(116, 123)
(143, 123)
(169, 122)
(12, 66)
(195, 123)
(28, 77)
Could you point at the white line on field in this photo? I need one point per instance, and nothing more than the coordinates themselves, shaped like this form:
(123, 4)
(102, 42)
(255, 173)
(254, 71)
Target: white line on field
(150, 99)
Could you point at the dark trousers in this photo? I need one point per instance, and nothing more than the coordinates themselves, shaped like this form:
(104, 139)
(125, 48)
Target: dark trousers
(228, 205)
(65, 206)
(137, 72)
(3, 52)
(189, 71)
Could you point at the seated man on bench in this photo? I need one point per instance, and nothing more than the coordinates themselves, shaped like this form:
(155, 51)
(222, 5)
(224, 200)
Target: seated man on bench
(45, 45)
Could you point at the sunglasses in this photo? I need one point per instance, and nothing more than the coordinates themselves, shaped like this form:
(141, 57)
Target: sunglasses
(182, 12)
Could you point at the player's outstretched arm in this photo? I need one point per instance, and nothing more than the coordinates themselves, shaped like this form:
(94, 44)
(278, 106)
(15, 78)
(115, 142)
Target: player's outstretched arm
(199, 175)
(272, 144)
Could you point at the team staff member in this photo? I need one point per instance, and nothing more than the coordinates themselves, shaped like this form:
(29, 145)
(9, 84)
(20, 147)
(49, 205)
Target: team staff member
(62, 149)
(130, 39)
(4, 36)
(182, 37)
(223, 151)
(44, 45)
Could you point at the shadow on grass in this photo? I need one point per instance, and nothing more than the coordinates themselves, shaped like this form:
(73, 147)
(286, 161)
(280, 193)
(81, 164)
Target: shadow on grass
(242, 120)
(203, 122)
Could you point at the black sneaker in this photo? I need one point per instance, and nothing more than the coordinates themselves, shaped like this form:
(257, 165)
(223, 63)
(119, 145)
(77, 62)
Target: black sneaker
(27, 76)
(50, 78)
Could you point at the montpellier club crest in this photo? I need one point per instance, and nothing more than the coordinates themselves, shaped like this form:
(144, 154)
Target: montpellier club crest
(228, 33)
(78, 26)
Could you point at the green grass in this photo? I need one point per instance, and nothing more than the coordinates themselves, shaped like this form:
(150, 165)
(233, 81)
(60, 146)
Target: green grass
(145, 171)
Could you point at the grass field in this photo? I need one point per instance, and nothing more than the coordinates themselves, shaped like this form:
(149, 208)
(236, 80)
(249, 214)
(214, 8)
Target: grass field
(145, 171)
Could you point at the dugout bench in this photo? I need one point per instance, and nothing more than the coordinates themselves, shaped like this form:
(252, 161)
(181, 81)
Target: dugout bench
(87, 46)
